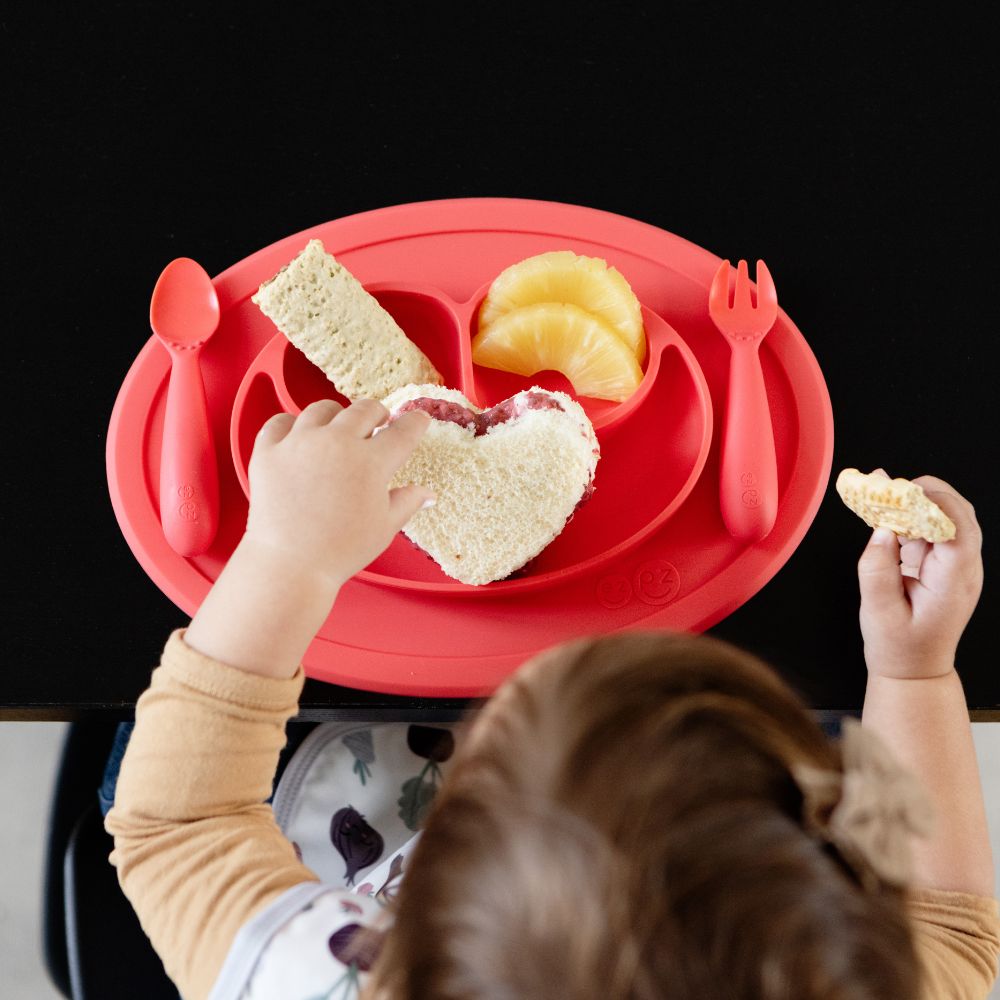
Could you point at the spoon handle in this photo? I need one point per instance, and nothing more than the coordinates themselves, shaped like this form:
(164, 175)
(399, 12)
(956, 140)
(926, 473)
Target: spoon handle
(748, 476)
(189, 478)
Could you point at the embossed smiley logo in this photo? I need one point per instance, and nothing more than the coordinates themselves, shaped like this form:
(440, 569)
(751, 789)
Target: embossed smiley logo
(657, 582)
(614, 591)
(189, 511)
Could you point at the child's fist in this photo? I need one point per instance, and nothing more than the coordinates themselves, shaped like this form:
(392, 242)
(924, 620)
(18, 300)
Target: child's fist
(916, 599)
(319, 485)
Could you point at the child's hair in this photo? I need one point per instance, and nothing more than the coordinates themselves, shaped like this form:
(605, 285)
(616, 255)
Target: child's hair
(622, 823)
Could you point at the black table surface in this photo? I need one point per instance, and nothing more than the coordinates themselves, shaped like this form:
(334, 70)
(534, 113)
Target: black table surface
(847, 151)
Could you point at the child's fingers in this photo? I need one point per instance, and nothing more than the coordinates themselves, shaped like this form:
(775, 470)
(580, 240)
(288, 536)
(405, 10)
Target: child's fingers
(274, 429)
(879, 578)
(362, 417)
(318, 413)
(911, 551)
(396, 443)
(405, 501)
(911, 556)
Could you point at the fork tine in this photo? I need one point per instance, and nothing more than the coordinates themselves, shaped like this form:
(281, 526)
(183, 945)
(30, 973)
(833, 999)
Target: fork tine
(718, 294)
(767, 297)
(741, 297)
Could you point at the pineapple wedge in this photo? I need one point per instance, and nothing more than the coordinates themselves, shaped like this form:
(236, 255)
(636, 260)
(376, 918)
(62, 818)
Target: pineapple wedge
(564, 338)
(562, 276)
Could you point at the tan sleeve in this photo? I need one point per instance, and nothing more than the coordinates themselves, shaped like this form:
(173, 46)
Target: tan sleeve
(198, 851)
(958, 941)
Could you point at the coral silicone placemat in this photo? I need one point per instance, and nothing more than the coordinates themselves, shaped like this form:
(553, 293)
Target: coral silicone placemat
(648, 550)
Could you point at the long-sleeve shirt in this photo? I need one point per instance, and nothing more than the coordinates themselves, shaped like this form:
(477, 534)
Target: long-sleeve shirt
(200, 855)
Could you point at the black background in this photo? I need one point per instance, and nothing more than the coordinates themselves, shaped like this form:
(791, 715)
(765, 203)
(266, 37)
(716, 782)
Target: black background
(846, 149)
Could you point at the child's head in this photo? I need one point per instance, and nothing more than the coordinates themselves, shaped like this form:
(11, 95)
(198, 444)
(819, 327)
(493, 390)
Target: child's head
(622, 821)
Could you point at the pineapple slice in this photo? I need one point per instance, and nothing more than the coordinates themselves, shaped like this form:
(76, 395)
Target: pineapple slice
(563, 338)
(562, 276)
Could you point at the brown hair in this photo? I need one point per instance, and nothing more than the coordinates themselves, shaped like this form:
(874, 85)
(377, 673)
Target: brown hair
(622, 823)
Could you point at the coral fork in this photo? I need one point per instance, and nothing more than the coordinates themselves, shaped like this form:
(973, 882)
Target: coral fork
(748, 475)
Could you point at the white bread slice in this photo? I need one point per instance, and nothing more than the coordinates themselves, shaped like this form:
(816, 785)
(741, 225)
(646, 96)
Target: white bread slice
(326, 313)
(503, 496)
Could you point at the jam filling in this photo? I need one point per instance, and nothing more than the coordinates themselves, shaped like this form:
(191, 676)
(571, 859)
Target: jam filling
(455, 413)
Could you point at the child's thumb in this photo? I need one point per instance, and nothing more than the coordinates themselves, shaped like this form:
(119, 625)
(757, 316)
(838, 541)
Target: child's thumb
(405, 501)
(879, 576)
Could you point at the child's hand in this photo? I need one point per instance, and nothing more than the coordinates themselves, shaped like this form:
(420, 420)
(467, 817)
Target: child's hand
(916, 599)
(319, 493)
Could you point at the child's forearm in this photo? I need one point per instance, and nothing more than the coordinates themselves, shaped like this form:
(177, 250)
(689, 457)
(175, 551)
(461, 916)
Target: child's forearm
(262, 612)
(926, 722)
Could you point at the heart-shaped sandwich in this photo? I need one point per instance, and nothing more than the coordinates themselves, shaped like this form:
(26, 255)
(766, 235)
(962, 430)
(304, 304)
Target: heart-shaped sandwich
(507, 479)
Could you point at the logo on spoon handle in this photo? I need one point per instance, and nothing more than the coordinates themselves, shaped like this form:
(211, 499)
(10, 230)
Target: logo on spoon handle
(189, 509)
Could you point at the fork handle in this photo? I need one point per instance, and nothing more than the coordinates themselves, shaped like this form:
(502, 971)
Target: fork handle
(748, 477)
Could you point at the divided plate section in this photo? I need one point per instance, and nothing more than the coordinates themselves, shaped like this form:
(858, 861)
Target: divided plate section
(491, 386)
(653, 445)
(282, 379)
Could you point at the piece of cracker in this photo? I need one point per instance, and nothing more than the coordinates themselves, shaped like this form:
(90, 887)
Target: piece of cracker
(896, 504)
(326, 313)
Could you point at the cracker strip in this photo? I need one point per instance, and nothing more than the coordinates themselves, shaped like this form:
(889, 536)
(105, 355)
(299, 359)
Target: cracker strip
(326, 313)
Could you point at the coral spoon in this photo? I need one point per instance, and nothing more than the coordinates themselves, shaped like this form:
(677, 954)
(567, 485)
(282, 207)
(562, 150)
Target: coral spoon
(184, 313)
(748, 476)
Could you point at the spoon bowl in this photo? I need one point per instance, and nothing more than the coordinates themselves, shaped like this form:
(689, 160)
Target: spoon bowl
(184, 312)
